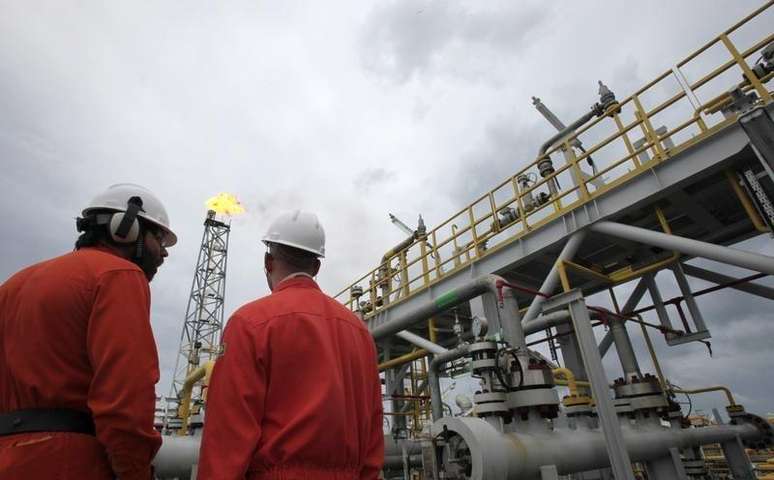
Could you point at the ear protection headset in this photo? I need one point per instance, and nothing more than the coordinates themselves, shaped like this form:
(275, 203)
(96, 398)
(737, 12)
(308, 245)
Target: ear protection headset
(124, 226)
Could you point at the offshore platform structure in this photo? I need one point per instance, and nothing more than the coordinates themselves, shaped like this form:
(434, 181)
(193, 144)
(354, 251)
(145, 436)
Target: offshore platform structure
(200, 339)
(627, 194)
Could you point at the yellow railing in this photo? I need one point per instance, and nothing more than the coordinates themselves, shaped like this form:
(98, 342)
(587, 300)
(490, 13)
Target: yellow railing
(630, 138)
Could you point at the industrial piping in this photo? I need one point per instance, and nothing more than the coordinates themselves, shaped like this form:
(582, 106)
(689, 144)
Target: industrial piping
(474, 288)
(497, 455)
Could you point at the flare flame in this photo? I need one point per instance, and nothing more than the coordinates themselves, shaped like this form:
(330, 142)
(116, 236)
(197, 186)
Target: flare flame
(225, 204)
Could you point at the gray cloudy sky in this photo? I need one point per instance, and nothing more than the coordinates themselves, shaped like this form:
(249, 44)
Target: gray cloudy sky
(352, 109)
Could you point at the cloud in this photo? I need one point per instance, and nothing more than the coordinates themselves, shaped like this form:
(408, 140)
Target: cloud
(373, 178)
(405, 38)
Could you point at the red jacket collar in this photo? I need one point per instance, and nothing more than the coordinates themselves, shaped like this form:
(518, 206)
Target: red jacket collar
(301, 281)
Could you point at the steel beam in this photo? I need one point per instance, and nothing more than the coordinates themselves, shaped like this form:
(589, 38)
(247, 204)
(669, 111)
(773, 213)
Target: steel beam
(552, 279)
(608, 418)
(658, 301)
(714, 277)
(685, 289)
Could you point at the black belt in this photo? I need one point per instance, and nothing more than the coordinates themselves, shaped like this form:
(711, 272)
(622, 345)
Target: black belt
(46, 420)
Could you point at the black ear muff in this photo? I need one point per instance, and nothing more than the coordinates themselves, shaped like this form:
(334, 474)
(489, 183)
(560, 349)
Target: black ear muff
(124, 226)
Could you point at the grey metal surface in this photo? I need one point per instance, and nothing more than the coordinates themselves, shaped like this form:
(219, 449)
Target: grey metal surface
(759, 127)
(520, 455)
(693, 165)
(737, 460)
(552, 279)
(608, 419)
(685, 290)
(623, 346)
(658, 301)
(719, 278)
(434, 381)
(421, 342)
(689, 246)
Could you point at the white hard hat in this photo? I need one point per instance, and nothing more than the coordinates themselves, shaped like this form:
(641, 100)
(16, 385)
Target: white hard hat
(297, 229)
(116, 199)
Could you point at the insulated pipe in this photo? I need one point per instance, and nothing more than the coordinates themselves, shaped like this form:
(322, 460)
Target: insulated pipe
(176, 457)
(474, 288)
(696, 248)
(547, 320)
(421, 342)
(433, 379)
(520, 455)
(552, 279)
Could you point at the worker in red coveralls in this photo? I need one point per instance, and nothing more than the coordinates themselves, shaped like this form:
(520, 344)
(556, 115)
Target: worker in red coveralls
(296, 394)
(78, 361)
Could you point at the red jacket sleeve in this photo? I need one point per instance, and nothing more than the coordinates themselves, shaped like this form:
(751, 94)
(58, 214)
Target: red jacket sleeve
(374, 458)
(235, 404)
(124, 360)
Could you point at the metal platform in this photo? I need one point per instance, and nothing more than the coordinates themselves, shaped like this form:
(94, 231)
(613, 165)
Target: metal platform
(661, 150)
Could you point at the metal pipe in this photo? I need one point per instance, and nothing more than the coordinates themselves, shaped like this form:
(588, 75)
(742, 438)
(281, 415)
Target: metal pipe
(176, 457)
(434, 380)
(552, 279)
(421, 342)
(520, 455)
(566, 131)
(718, 388)
(472, 289)
(688, 246)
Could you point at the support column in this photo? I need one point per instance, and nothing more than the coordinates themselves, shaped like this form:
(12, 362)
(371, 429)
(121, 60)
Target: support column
(631, 304)
(658, 301)
(552, 279)
(667, 468)
(737, 460)
(685, 289)
(608, 419)
(714, 277)
(623, 346)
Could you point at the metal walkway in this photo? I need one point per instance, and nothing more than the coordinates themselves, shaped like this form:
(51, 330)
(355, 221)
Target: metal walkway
(668, 157)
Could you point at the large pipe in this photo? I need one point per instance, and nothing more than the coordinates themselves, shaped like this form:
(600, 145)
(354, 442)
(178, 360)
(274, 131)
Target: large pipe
(552, 279)
(421, 342)
(520, 455)
(434, 380)
(176, 457)
(474, 288)
(688, 246)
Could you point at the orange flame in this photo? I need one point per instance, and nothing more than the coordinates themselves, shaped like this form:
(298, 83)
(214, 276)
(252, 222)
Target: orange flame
(225, 204)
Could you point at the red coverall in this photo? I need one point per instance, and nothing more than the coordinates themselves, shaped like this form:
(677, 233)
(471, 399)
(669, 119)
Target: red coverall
(75, 333)
(296, 394)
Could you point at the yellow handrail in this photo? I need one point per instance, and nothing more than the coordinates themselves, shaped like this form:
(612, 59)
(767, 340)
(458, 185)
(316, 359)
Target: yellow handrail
(476, 231)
